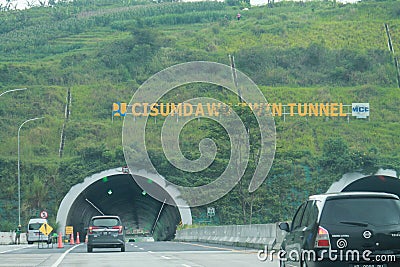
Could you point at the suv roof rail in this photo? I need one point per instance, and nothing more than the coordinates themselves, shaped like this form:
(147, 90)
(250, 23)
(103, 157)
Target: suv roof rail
(353, 194)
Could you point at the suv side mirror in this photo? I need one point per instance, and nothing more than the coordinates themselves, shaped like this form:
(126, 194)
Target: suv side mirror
(284, 226)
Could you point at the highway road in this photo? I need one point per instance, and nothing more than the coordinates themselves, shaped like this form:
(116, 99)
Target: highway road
(146, 254)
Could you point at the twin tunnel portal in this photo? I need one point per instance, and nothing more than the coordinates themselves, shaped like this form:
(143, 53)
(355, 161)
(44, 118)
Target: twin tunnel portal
(114, 192)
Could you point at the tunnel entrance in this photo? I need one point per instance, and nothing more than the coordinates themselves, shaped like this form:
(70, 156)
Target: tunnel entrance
(375, 183)
(383, 181)
(117, 193)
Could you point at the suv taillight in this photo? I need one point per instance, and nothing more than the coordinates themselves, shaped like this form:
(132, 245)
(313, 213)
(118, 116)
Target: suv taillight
(322, 239)
(119, 228)
(91, 229)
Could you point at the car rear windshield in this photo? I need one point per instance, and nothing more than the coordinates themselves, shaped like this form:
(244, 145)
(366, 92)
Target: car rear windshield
(371, 211)
(35, 226)
(108, 222)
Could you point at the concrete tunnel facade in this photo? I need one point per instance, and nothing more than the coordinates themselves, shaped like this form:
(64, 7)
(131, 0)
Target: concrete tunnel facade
(383, 181)
(114, 192)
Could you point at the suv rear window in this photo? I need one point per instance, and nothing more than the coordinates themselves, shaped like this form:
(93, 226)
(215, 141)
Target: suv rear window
(373, 211)
(108, 222)
(35, 226)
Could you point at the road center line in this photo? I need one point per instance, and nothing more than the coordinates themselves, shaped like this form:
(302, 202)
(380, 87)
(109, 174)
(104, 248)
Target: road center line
(60, 259)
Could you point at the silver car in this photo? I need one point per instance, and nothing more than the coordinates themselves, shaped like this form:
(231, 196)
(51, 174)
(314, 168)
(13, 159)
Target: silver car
(33, 234)
(106, 232)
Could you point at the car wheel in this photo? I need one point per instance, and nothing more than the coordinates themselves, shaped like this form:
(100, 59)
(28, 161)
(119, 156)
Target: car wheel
(89, 249)
(123, 248)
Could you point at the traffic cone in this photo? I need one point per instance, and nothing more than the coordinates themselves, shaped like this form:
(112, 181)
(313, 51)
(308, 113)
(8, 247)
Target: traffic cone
(78, 241)
(60, 243)
(72, 239)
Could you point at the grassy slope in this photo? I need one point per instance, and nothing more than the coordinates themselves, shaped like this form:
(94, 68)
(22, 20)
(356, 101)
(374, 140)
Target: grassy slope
(75, 56)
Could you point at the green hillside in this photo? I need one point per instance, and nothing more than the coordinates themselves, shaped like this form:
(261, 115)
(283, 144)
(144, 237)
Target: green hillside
(100, 52)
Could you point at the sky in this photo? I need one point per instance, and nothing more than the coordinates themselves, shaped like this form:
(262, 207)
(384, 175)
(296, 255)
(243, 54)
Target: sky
(20, 4)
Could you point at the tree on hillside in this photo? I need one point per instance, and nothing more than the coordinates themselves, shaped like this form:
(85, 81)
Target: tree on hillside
(336, 158)
(37, 193)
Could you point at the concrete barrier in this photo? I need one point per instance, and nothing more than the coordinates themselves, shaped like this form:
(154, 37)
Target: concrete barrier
(255, 236)
(8, 238)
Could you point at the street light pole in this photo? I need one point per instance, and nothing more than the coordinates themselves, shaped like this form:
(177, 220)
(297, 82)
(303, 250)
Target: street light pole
(19, 185)
(19, 173)
(13, 90)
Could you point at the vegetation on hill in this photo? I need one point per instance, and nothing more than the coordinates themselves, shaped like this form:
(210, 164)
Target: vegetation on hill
(100, 52)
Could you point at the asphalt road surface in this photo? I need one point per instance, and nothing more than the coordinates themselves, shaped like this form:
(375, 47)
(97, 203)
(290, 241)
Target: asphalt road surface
(146, 254)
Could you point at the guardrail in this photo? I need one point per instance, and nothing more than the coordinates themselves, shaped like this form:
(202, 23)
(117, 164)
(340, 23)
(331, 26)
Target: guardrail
(255, 236)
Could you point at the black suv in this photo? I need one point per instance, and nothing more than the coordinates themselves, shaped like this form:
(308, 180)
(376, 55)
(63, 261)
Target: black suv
(106, 232)
(357, 229)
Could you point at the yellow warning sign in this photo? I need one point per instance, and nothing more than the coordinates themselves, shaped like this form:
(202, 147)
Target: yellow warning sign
(69, 230)
(45, 229)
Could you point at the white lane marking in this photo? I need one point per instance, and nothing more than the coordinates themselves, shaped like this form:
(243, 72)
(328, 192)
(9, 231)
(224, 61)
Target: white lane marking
(197, 252)
(15, 249)
(185, 265)
(166, 257)
(60, 259)
(135, 246)
(141, 248)
(186, 252)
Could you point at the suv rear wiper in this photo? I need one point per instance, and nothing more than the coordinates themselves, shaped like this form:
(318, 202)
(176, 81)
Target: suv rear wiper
(355, 223)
